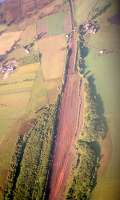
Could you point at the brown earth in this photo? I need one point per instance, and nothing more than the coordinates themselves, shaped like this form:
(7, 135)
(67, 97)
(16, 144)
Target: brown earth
(17, 9)
(70, 121)
(5, 44)
(26, 126)
(67, 20)
(68, 128)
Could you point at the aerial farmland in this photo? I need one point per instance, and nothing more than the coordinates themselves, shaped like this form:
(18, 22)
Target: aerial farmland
(59, 100)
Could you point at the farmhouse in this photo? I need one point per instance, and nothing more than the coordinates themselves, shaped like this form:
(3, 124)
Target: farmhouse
(89, 27)
(8, 67)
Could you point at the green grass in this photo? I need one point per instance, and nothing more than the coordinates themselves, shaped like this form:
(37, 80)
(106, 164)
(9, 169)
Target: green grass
(105, 69)
(54, 23)
(106, 72)
(102, 193)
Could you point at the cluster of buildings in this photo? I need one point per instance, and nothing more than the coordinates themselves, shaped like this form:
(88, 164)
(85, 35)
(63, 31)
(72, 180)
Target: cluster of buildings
(89, 27)
(8, 66)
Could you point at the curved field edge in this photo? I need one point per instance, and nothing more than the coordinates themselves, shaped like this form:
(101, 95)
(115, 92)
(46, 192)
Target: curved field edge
(83, 176)
(29, 167)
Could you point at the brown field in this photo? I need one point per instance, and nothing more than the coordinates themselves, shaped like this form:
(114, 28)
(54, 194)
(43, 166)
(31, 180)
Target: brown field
(67, 20)
(70, 123)
(5, 43)
(28, 34)
(53, 89)
(53, 49)
(50, 8)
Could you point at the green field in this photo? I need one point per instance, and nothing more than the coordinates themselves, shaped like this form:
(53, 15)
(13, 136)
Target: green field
(54, 23)
(105, 69)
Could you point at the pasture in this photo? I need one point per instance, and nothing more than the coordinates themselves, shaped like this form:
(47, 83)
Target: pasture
(105, 69)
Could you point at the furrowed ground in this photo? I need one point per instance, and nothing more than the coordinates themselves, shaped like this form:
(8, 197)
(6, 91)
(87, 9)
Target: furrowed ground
(52, 120)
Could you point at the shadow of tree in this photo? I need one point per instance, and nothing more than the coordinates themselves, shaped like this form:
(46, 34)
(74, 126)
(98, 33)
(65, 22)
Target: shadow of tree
(101, 122)
(96, 147)
(100, 10)
(83, 50)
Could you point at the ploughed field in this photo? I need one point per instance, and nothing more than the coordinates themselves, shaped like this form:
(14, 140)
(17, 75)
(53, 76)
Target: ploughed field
(41, 68)
(69, 124)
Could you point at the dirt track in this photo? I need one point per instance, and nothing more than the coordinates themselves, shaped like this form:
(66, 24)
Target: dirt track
(70, 121)
(69, 125)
